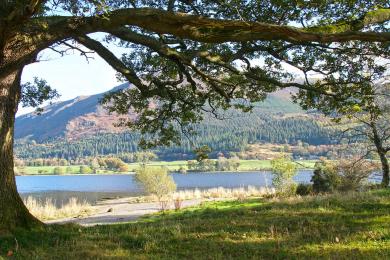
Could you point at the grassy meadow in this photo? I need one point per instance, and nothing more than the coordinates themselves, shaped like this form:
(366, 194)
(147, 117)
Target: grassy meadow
(245, 165)
(48, 170)
(338, 226)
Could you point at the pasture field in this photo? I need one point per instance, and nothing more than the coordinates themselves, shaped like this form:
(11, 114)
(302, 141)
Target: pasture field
(245, 165)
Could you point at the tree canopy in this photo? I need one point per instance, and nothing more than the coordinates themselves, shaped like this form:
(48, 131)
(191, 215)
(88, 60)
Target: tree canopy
(186, 57)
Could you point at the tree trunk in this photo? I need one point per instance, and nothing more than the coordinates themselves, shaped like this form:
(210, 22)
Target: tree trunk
(382, 155)
(13, 212)
(385, 169)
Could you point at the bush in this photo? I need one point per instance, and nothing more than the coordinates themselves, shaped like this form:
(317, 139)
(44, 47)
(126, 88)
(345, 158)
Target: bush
(325, 177)
(59, 170)
(156, 181)
(177, 202)
(342, 176)
(85, 169)
(283, 171)
(304, 189)
(182, 170)
(354, 174)
(123, 168)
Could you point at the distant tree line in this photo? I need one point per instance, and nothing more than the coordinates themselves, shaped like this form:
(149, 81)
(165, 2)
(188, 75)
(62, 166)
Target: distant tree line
(221, 136)
(140, 157)
(208, 165)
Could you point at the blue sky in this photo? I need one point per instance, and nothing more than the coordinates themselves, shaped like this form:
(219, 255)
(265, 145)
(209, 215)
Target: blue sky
(72, 75)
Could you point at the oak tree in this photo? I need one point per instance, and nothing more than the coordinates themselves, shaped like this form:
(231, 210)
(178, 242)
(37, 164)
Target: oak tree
(365, 122)
(183, 57)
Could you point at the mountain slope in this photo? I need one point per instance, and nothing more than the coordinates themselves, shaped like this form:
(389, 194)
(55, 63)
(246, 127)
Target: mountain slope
(61, 117)
(83, 116)
(80, 127)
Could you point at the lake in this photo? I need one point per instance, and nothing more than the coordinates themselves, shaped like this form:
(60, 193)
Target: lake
(96, 187)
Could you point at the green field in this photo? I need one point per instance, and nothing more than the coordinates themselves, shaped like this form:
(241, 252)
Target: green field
(245, 165)
(340, 226)
(48, 170)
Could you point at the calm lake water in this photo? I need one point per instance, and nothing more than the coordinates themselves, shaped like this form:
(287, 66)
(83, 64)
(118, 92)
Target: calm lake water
(95, 187)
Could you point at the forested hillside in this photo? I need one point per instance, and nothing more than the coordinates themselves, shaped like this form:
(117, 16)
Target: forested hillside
(80, 127)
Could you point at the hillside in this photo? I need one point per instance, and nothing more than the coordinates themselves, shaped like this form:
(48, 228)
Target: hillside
(61, 119)
(80, 127)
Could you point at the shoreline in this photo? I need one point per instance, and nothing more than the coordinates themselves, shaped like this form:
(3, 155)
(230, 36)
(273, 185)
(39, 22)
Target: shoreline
(131, 208)
(121, 210)
(171, 172)
(179, 166)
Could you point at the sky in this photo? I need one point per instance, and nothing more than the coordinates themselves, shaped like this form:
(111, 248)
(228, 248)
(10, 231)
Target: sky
(71, 75)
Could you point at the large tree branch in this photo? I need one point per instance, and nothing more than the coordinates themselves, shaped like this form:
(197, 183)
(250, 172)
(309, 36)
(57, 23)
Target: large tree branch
(185, 58)
(112, 60)
(373, 17)
(21, 14)
(206, 29)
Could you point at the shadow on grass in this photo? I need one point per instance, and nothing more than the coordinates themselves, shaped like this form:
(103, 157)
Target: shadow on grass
(346, 228)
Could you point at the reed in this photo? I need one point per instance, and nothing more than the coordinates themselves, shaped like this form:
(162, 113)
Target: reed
(220, 192)
(46, 210)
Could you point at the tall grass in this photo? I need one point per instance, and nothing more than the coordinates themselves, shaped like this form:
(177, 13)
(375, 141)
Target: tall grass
(220, 192)
(213, 193)
(46, 210)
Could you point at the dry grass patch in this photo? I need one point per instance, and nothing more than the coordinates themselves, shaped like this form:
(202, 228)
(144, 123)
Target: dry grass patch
(47, 210)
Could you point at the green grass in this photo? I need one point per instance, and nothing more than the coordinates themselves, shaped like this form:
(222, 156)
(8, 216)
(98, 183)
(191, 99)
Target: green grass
(172, 166)
(36, 170)
(48, 170)
(245, 165)
(346, 226)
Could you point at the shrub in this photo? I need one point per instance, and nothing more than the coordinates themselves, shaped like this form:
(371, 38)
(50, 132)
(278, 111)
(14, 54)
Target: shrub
(325, 177)
(354, 174)
(283, 171)
(156, 181)
(345, 175)
(304, 189)
(59, 170)
(182, 170)
(113, 163)
(85, 169)
(177, 202)
(123, 168)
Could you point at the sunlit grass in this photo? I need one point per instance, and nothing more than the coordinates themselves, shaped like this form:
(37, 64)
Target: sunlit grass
(245, 165)
(340, 226)
(212, 193)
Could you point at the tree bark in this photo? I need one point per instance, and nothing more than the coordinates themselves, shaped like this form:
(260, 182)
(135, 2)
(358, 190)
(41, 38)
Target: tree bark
(385, 170)
(13, 212)
(382, 155)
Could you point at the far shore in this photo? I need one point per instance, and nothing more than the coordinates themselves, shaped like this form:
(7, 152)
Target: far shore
(173, 167)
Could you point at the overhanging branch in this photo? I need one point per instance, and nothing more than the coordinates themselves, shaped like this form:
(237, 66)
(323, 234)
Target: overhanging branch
(112, 60)
(204, 29)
